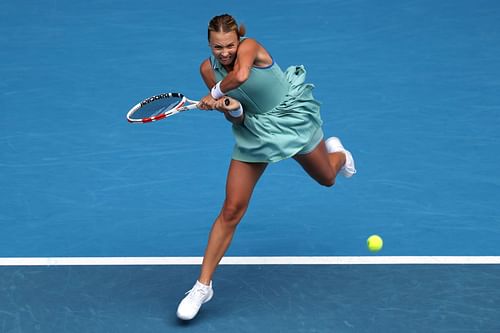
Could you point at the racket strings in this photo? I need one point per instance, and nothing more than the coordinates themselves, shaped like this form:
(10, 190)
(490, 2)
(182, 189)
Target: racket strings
(156, 107)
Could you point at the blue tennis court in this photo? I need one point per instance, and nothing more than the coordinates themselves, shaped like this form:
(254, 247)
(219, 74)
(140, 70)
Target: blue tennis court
(103, 222)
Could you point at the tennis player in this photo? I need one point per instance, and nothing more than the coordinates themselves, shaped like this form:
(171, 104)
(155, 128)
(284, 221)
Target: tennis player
(276, 118)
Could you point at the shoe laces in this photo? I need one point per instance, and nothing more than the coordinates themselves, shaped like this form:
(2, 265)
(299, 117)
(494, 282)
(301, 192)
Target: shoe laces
(197, 294)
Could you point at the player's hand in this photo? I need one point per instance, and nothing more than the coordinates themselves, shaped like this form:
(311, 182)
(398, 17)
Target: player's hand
(226, 104)
(207, 103)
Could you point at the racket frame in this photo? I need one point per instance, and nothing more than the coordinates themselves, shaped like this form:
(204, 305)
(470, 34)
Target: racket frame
(183, 105)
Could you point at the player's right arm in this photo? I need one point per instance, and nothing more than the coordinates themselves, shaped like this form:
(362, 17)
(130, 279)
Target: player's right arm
(208, 102)
(207, 74)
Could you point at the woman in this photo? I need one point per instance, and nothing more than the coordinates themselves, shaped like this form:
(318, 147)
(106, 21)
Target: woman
(278, 118)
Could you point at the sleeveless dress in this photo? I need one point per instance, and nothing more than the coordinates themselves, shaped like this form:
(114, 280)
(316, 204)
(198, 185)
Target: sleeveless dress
(282, 117)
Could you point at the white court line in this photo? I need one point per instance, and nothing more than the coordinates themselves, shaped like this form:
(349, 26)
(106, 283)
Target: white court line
(320, 260)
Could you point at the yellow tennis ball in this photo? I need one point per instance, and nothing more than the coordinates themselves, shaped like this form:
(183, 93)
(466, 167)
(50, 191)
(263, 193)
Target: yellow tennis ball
(374, 243)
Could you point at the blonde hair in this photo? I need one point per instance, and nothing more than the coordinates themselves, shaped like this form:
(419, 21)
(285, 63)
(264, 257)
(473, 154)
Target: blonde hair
(225, 23)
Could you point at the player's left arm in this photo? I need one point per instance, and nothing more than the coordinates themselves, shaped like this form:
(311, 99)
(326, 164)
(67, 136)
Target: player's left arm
(246, 56)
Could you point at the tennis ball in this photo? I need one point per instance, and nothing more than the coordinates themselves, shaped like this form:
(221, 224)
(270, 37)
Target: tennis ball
(374, 243)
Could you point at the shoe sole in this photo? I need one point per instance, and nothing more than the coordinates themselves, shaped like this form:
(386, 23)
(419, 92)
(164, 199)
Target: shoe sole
(350, 170)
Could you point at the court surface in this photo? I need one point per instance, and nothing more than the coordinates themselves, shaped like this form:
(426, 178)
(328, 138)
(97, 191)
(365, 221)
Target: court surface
(103, 222)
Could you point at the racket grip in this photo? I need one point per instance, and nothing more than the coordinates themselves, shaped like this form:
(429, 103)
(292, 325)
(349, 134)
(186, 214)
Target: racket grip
(227, 102)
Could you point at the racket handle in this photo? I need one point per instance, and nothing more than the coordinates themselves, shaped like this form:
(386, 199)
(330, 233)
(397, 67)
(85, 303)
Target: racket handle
(227, 102)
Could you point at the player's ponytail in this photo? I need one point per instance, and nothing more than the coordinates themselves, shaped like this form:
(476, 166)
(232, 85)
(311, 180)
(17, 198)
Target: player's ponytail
(242, 31)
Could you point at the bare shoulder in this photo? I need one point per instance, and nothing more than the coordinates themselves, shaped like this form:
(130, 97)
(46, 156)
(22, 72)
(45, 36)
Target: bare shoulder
(249, 43)
(205, 66)
(262, 56)
(206, 73)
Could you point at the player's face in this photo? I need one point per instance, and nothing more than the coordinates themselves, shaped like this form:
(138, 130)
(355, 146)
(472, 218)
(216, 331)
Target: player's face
(224, 46)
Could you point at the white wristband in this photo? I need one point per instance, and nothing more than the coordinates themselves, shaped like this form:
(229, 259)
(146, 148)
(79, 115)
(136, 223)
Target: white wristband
(216, 92)
(237, 113)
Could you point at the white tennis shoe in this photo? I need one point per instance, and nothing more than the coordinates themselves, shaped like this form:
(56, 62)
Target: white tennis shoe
(191, 304)
(334, 145)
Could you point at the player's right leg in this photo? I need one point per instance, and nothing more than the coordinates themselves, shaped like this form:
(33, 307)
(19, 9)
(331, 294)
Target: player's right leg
(241, 180)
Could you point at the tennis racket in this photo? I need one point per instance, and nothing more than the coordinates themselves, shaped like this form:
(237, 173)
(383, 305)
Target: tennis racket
(161, 106)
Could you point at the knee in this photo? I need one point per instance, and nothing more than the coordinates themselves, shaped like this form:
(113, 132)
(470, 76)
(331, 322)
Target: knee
(232, 213)
(328, 181)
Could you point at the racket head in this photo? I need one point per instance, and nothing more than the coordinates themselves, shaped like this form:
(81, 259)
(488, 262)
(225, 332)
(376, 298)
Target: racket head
(157, 107)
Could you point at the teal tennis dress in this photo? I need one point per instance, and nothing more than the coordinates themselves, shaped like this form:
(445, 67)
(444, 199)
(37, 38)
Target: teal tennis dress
(282, 117)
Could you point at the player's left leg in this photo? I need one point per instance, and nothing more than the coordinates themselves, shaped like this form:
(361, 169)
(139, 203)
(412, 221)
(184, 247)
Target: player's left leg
(326, 160)
(320, 165)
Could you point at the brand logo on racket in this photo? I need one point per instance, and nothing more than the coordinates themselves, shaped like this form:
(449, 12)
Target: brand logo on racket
(157, 97)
